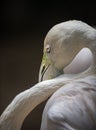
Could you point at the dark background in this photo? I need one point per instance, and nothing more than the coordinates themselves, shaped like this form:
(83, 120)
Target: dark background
(23, 26)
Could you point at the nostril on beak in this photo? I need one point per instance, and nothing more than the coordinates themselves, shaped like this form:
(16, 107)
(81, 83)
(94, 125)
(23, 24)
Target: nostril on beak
(43, 68)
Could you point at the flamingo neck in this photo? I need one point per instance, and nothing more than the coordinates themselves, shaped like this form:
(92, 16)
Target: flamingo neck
(14, 115)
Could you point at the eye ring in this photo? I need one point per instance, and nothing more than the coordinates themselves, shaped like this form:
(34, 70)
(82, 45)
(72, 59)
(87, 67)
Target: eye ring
(48, 49)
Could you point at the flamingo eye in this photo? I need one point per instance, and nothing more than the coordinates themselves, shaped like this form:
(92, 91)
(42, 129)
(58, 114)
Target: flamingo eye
(48, 49)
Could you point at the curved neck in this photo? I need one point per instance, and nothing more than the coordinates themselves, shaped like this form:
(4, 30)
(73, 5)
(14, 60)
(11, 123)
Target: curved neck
(14, 115)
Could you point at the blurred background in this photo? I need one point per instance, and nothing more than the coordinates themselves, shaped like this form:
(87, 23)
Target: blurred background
(23, 26)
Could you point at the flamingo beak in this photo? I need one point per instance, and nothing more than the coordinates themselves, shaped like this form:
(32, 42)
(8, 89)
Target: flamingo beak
(43, 68)
(48, 70)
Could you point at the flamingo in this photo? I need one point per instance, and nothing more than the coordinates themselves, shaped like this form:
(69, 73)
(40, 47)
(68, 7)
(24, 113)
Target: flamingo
(73, 103)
